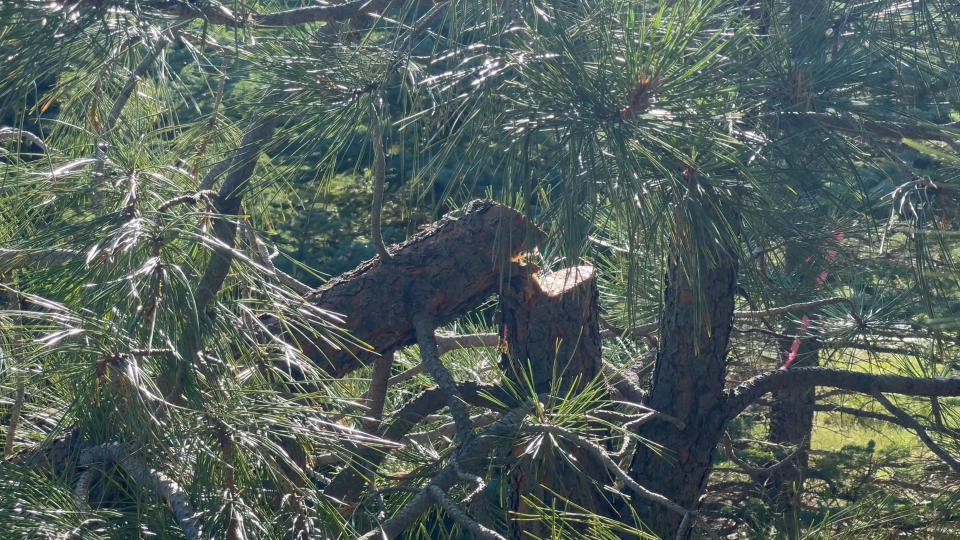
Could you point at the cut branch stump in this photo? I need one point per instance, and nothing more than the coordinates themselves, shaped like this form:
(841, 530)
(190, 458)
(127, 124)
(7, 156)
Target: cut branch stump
(550, 332)
(550, 329)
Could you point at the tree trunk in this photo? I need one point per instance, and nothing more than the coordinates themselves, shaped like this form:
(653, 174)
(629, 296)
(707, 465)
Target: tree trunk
(791, 424)
(445, 271)
(551, 334)
(791, 411)
(551, 331)
(688, 384)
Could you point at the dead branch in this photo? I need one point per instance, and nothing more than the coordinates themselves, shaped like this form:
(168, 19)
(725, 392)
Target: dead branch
(444, 271)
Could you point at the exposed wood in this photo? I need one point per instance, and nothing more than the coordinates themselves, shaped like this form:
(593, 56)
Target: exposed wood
(550, 327)
(550, 334)
(445, 271)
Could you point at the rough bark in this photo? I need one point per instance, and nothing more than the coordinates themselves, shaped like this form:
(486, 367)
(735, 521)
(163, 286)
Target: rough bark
(444, 271)
(687, 384)
(550, 331)
(550, 328)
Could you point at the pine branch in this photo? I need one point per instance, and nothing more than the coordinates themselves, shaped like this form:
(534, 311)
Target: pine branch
(13, 133)
(937, 411)
(157, 482)
(346, 485)
(601, 456)
(753, 470)
(121, 101)
(379, 179)
(262, 257)
(737, 399)
(241, 166)
(424, 327)
(445, 344)
(376, 396)
(212, 123)
(468, 456)
(802, 306)
(81, 491)
(216, 13)
(15, 412)
(908, 420)
(450, 429)
(859, 413)
(886, 130)
(461, 517)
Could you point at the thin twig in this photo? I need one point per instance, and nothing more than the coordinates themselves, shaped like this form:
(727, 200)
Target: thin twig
(15, 412)
(13, 302)
(937, 411)
(261, 256)
(802, 306)
(377, 394)
(473, 452)
(753, 470)
(601, 456)
(448, 343)
(212, 123)
(379, 181)
(13, 133)
(241, 165)
(121, 101)
(196, 40)
(449, 429)
(189, 198)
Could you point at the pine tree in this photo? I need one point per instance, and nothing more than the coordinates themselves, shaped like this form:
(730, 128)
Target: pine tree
(705, 180)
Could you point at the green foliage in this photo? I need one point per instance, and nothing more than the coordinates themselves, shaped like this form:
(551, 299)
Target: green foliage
(635, 132)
